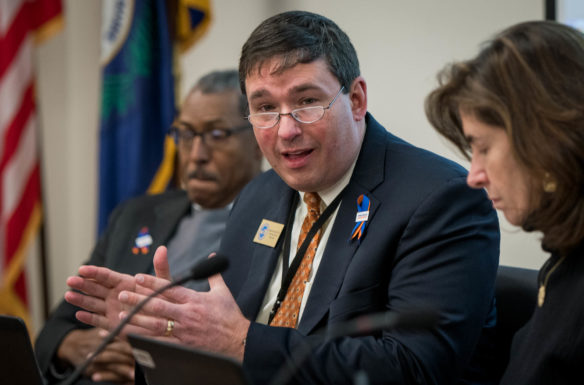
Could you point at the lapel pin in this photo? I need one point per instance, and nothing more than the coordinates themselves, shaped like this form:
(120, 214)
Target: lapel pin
(363, 206)
(142, 242)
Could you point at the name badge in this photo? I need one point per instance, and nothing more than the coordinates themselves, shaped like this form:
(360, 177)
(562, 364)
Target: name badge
(268, 233)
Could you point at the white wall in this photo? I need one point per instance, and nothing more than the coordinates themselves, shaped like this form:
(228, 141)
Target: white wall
(401, 46)
(68, 99)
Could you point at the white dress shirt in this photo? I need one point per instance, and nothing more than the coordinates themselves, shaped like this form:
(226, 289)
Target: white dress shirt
(327, 196)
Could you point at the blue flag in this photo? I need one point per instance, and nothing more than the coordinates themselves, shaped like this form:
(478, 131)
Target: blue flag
(138, 102)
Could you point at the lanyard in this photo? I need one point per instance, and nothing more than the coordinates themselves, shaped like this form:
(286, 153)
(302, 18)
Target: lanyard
(289, 272)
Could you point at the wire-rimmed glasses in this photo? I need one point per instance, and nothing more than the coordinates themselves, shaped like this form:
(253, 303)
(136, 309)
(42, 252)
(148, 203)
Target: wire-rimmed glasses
(306, 115)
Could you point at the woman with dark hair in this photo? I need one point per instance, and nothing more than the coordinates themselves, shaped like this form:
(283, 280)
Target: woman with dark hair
(517, 112)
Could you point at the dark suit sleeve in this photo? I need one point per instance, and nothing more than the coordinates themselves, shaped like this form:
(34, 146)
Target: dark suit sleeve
(445, 258)
(62, 319)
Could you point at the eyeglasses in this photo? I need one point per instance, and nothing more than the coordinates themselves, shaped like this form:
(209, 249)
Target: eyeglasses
(213, 138)
(306, 115)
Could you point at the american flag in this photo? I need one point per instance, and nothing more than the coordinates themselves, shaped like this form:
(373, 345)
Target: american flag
(23, 23)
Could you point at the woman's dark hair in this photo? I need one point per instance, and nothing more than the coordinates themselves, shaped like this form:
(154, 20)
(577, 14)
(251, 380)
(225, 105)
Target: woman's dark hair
(528, 81)
(299, 37)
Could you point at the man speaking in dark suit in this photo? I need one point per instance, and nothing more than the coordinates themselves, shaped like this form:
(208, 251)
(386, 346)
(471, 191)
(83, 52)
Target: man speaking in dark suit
(350, 221)
(217, 156)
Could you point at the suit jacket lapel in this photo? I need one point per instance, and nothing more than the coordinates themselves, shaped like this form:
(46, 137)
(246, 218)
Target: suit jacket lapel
(368, 174)
(161, 225)
(167, 215)
(264, 259)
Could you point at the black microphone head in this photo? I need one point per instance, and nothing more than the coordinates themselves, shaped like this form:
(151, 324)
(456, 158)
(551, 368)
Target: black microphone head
(209, 267)
(418, 319)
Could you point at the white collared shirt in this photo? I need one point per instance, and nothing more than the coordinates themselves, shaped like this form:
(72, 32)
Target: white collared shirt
(327, 196)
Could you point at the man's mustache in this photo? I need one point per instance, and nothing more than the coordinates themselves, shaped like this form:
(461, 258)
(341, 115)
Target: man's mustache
(201, 174)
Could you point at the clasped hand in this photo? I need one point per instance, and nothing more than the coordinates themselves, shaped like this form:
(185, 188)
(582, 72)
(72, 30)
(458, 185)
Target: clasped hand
(210, 320)
(114, 364)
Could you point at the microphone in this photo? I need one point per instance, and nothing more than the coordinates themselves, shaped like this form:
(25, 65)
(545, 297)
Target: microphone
(422, 319)
(201, 270)
(419, 319)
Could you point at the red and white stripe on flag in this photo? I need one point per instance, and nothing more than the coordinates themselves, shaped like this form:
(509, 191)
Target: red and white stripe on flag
(23, 23)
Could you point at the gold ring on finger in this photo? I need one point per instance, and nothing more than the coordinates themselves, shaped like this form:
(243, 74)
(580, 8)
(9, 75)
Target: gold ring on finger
(169, 328)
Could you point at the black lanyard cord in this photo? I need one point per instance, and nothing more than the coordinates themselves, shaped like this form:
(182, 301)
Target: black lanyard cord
(289, 272)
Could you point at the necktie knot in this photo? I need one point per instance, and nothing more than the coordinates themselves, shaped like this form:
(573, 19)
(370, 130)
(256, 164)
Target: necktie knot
(312, 201)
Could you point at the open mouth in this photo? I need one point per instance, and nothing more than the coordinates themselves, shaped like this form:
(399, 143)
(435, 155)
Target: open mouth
(296, 154)
(297, 158)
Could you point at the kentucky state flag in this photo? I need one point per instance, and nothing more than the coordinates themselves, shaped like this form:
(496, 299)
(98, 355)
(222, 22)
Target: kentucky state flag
(138, 97)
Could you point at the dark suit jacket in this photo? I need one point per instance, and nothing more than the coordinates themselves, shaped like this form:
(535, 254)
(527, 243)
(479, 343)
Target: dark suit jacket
(431, 241)
(161, 215)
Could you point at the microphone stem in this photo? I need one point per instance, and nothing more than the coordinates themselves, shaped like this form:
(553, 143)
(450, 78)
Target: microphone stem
(110, 337)
(203, 269)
